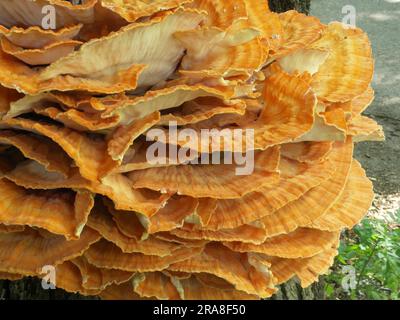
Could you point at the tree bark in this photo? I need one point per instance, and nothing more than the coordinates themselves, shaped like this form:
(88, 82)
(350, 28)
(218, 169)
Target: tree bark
(30, 288)
(292, 290)
(284, 5)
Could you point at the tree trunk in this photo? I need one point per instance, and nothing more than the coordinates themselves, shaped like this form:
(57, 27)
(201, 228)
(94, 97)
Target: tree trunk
(30, 289)
(284, 5)
(292, 290)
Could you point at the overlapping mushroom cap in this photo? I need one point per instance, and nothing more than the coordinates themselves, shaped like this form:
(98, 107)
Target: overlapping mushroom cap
(82, 105)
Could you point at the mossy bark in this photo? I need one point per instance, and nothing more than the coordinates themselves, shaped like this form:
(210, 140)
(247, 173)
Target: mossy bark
(31, 289)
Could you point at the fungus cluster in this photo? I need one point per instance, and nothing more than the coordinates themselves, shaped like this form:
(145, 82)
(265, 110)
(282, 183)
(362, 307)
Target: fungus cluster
(84, 105)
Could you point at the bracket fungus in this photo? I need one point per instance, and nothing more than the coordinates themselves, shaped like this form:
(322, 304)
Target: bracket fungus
(105, 170)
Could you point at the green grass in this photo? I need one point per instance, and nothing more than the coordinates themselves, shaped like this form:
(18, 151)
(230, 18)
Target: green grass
(373, 250)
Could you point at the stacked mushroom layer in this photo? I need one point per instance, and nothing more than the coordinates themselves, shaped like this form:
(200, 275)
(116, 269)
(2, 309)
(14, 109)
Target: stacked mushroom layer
(83, 105)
